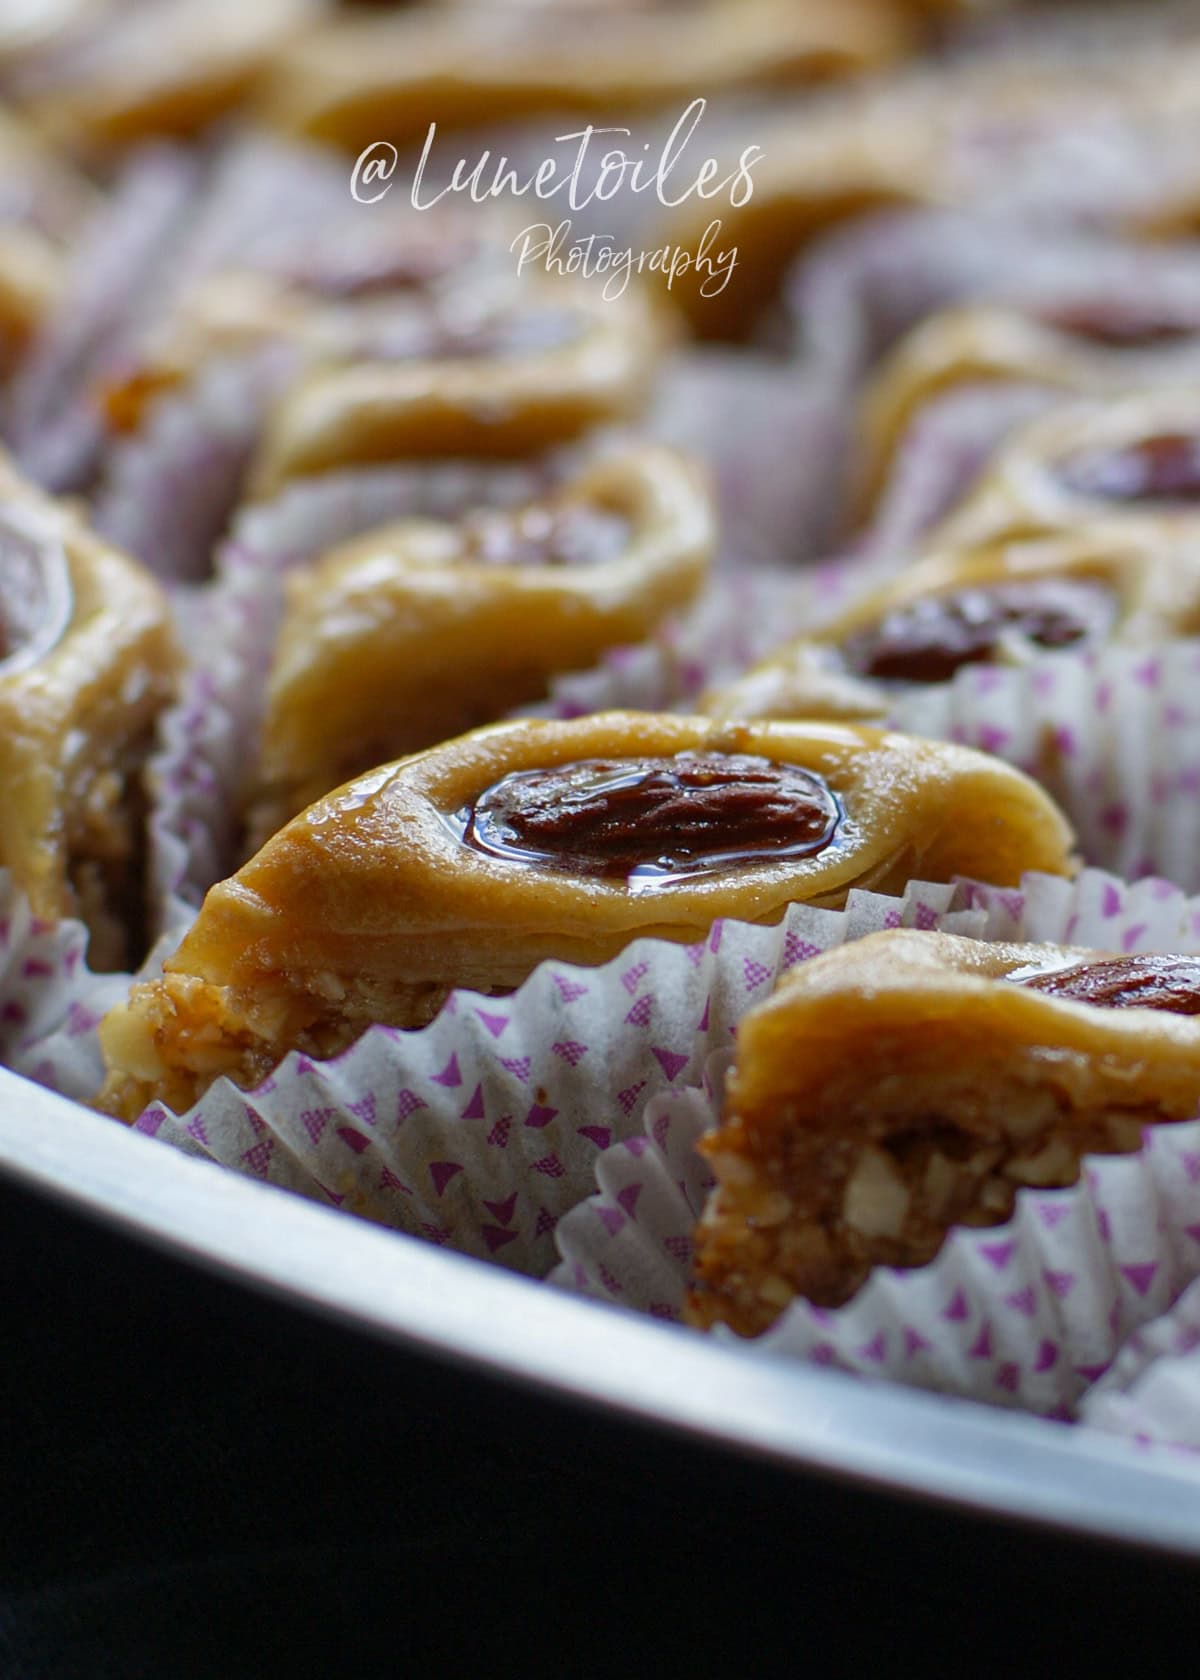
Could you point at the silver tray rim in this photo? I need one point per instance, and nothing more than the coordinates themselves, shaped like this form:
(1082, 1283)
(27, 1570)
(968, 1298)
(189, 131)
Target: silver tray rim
(920, 1446)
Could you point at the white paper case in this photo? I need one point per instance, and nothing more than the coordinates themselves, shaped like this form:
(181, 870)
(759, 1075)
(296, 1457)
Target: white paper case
(1152, 1393)
(481, 1130)
(1026, 1314)
(50, 1001)
(1113, 734)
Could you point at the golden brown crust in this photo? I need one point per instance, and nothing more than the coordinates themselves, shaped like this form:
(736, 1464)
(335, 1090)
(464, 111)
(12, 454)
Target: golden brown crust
(421, 282)
(904, 1083)
(419, 631)
(502, 405)
(31, 274)
(368, 906)
(76, 722)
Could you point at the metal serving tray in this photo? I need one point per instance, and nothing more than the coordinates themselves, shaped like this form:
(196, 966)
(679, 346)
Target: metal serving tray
(925, 1446)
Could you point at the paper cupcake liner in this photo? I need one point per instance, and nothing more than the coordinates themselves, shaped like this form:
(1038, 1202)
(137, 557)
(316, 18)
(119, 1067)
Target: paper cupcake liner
(204, 754)
(1151, 1394)
(1107, 29)
(50, 1001)
(740, 617)
(171, 489)
(482, 1130)
(254, 192)
(1025, 1314)
(865, 285)
(55, 426)
(1113, 734)
(943, 451)
(776, 443)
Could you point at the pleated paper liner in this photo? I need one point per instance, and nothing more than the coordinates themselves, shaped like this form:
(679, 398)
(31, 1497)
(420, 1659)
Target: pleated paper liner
(737, 620)
(869, 282)
(1026, 1314)
(171, 217)
(54, 422)
(483, 1129)
(942, 453)
(172, 487)
(776, 441)
(1151, 1394)
(169, 490)
(50, 1001)
(1113, 734)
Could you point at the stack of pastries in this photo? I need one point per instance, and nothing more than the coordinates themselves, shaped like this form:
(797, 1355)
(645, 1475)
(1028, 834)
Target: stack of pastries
(338, 473)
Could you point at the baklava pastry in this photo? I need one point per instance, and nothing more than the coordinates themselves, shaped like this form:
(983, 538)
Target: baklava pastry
(470, 864)
(87, 661)
(1002, 133)
(1002, 604)
(909, 1082)
(1132, 462)
(408, 286)
(1084, 351)
(420, 630)
(357, 80)
(120, 74)
(556, 361)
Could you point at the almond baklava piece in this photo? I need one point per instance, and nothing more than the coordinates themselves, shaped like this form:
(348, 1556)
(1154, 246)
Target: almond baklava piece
(909, 1082)
(470, 864)
(87, 662)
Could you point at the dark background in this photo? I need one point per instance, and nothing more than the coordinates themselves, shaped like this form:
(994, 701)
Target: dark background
(197, 1482)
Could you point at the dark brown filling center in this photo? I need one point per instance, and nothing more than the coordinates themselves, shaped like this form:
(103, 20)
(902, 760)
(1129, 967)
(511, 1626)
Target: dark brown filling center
(654, 816)
(930, 639)
(1114, 328)
(1146, 982)
(576, 534)
(1163, 468)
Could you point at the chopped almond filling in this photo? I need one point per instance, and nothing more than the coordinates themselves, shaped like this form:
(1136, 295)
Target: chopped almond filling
(802, 1214)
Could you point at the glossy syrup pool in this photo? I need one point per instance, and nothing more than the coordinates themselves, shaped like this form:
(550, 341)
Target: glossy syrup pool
(1154, 981)
(654, 820)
